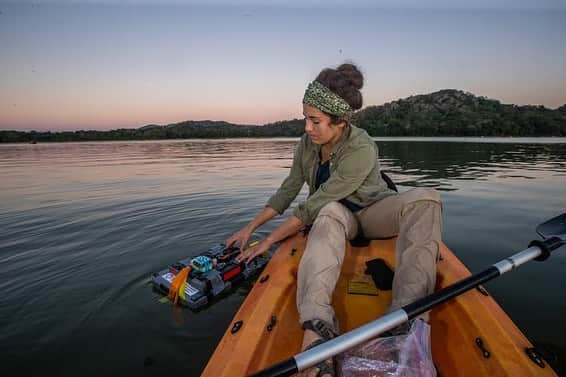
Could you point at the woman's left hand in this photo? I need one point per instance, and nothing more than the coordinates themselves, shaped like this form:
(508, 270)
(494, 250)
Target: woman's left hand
(249, 254)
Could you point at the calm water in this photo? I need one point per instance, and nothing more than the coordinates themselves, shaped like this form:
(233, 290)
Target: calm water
(83, 225)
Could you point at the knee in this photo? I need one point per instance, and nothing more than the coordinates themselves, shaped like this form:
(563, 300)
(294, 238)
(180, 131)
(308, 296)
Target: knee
(425, 193)
(423, 201)
(332, 209)
(422, 197)
(334, 216)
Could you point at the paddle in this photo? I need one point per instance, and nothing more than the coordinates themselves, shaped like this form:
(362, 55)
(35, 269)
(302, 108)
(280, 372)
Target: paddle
(554, 235)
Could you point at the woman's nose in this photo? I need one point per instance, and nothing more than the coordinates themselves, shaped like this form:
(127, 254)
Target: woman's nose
(308, 126)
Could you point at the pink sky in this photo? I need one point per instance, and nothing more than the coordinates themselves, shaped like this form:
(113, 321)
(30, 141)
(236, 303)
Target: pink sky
(109, 66)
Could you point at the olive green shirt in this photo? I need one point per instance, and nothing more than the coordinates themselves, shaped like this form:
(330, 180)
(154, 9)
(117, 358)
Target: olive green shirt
(354, 176)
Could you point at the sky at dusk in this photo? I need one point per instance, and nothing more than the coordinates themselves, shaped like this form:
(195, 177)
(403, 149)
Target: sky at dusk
(124, 64)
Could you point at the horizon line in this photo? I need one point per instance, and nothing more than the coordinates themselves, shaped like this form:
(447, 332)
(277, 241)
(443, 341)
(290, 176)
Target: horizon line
(260, 124)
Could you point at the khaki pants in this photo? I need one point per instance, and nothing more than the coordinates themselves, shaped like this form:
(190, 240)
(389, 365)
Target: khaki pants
(414, 216)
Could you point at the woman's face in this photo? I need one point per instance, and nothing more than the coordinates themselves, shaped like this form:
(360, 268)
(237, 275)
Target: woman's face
(318, 126)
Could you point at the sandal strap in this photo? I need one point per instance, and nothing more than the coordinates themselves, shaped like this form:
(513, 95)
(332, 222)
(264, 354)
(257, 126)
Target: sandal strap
(315, 343)
(320, 327)
(325, 368)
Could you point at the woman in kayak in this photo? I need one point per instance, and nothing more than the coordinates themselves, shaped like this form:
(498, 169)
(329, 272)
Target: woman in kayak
(347, 197)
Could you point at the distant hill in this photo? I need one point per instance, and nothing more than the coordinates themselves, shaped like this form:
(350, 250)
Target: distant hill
(448, 112)
(220, 129)
(452, 112)
(182, 130)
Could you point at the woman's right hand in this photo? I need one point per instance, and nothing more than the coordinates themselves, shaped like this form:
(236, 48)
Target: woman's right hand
(242, 236)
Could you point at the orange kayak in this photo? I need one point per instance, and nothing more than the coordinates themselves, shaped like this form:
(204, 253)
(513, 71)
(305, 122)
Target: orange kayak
(266, 328)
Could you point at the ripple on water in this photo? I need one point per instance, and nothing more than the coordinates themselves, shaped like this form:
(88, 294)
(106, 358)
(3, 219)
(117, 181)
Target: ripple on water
(85, 224)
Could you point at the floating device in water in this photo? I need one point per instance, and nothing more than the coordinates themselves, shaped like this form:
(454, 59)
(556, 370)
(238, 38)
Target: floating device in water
(212, 273)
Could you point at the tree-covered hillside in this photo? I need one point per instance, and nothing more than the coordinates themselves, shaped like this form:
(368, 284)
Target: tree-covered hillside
(447, 112)
(456, 113)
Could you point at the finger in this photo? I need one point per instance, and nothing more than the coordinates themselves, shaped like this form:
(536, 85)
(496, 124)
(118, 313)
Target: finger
(230, 241)
(246, 255)
(251, 254)
(242, 256)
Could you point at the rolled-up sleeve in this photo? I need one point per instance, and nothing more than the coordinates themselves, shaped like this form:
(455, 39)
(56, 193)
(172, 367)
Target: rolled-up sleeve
(291, 186)
(351, 171)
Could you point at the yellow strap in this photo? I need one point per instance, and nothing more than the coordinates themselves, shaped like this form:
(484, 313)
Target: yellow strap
(178, 283)
(182, 290)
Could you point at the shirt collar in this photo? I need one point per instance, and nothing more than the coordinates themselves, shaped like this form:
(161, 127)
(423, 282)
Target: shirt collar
(345, 136)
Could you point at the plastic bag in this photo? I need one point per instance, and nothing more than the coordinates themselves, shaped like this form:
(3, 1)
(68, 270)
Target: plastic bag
(407, 355)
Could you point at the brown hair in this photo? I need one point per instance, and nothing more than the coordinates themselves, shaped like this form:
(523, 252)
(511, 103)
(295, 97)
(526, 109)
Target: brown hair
(345, 81)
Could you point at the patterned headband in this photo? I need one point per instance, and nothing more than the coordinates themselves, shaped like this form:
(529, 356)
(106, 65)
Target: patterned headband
(319, 96)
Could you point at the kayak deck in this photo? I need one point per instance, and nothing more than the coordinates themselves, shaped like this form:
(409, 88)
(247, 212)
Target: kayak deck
(270, 332)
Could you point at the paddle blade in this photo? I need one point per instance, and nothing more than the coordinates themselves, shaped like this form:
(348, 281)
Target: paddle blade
(555, 227)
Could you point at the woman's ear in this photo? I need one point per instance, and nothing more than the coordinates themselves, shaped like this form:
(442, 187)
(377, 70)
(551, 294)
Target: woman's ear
(342, 124)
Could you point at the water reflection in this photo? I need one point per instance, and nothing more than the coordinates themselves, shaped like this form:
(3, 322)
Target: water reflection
(433, 164)
(441, 165)
(84, 225)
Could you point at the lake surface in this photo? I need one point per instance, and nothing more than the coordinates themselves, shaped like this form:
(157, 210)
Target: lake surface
(83, 225)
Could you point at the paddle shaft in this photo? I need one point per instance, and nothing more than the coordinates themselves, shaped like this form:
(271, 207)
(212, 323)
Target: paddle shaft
(333, 347)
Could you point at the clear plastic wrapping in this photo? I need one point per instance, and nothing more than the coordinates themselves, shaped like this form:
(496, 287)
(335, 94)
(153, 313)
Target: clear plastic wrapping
(407, 355)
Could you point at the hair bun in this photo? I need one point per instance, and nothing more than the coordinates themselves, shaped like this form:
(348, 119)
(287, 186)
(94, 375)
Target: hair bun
(345, 81)
(351, 73)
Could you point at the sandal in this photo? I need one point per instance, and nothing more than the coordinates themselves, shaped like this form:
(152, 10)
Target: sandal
(402, 329)
(322, 329)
